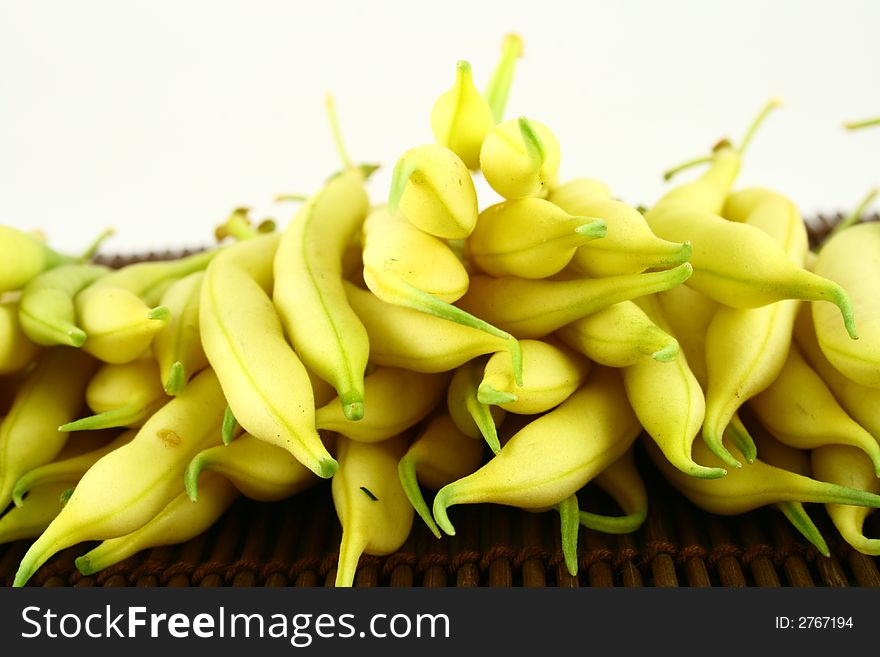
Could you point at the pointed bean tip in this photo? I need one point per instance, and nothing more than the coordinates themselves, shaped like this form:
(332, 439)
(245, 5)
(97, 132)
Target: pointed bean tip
(84, 565)
(667, 353)
(176, 380)
(18, 496)
(159, 313)
(439, 511)
(327, 467)
(76, 336)
(594, 228)
(487, 394)
(352, 405)
(191, 478)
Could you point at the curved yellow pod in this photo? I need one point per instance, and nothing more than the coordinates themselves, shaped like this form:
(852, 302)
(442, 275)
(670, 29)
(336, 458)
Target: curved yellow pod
(433, 188)
(128, 486)
(307, 290)
(618, 336)
(398, 257)
(551, 374)
(520, 158)
(177, 347)
(265, 383)
(754, 485)
(529, 308)
(472, 417)
(399, 399)
(17, 350)
(30, 519)
(461, 117)
(374, 511)
(179, 521)
(23, 256)
(851, 258)
(47, 312)
(119, 311)
(49, 396)
(260, 471)
(439, 455)
(800, 410)
(576, 440)
(529, 237)
(411, 339)
(629, 245)
(850, 467)
(122, 395)
(740, 265)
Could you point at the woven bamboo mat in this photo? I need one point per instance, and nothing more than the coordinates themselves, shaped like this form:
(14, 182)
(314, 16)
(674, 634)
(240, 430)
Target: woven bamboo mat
(294, 543)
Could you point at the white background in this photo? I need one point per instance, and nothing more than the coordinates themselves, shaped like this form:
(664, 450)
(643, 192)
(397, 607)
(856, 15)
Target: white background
(158, 117)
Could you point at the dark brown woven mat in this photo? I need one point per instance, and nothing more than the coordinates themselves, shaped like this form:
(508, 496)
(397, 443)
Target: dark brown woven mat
(295, 543)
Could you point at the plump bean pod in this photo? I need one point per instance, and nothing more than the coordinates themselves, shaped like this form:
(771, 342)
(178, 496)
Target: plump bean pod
(399, 399)
(119, 311)
(266, 385)
(629, 245)
(742, 266)
(534, 308)
(670, 403)
(23, 256)
(618, 336)
(861, 403)
(745, 352)
(529, 237)
(17, 350)
(461, 117)
(433, 188)
(403, 265)
(472, 417)
(126, 488)
(746, 348)
(406, 267)
(520, 158)
(551, 373)
(439, 455)
(177, 347)
(795, 460)
(31, 518)
(800, 410)
(623, 482)
(122, 395)
(47, 312)
(307, 292)
(52, 392)
(576, 440)
(374, 511)
(774, 213)
(848, 466)
(851, 258)
(687, 314)
(66, 468)
(179, 521)
(752, 486)
(411, 339)
(259, 471)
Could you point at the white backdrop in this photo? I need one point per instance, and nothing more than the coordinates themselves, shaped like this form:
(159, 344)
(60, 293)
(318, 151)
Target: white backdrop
(158, 117)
